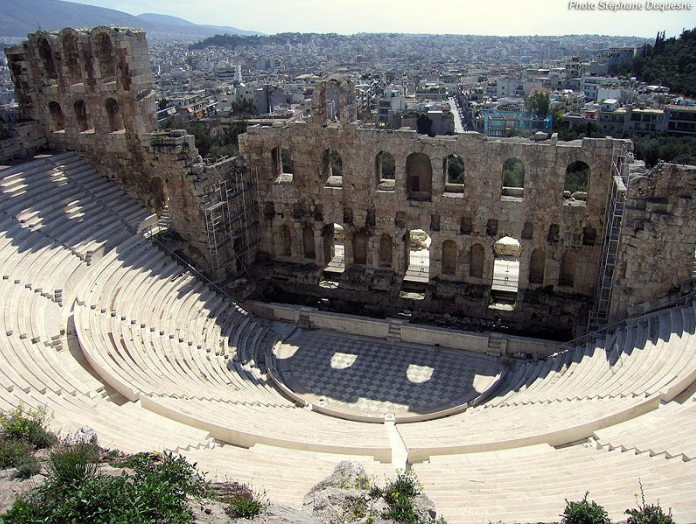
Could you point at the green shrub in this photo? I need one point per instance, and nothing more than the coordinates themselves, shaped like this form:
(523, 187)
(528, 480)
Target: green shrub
(28, 425)
(13, 452)
(27, 467)
(155, 493)
(584, 512)
(242, 501)
(405, 486)
(648, 513)
(73, 463)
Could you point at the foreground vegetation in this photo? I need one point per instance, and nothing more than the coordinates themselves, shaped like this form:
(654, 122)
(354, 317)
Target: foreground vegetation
(158, 488)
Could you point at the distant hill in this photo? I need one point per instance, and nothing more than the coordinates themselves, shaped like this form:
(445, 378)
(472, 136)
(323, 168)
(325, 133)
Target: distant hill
(19, 18)
(670, 62)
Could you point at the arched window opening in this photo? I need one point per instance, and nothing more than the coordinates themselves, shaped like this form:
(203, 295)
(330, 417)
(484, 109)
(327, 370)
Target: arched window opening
(506, 272)
(332, 168)
(333, 245)
(449, 257)
(419, 176)
(57, 118)
(71, 57)
(385, 171)
(308, 240)
(46, 54)
(577, 181)
(554, 234)
(333, 103)
(567, 271)
(513, 178)
(454, 174)
(537, 266)
(385, 250)
(81, 115)
(113, 112)
(417, 257)
(105, 56)
(476, 260)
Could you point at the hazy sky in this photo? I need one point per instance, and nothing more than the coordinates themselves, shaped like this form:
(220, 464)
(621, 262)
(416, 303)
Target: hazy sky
(482, 17)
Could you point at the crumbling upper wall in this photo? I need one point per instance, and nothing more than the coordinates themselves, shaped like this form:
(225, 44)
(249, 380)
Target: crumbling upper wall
(656, 252)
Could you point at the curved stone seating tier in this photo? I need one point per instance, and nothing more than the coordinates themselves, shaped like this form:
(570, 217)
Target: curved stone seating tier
(668, 430)
(655, 355)
(489, 428)
(531, 484)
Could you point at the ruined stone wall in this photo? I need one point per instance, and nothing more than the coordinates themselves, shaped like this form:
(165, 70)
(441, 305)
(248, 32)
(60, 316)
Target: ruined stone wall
(656, 253)
(91, 91)
(478, 212)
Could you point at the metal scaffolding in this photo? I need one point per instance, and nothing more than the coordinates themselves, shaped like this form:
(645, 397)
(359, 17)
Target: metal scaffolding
(231, 219)
(613, 223)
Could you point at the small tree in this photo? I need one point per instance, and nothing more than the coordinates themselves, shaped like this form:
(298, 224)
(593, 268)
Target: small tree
(584, 512)
(538, 104)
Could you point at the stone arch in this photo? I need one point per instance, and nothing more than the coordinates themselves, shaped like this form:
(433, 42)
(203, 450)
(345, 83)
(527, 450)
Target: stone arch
(46, 55)
(285, 241)
(566, 276)
(513, 177)
(332, 168)
(57, 118)
(577, 177)
(477, 256)
(453, 172)
(419, 176)
(360, 239)
(158, 195)
(104, 52)
(71, 58)
(385, 250)
(385, 171)
(80, 109)
(113, 112)
(449, 257)
(308, 241)
(537, 266)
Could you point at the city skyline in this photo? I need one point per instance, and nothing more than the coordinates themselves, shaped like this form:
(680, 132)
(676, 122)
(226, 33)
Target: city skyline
(642, 18)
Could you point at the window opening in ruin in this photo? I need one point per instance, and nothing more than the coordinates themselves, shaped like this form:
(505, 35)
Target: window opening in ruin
(46, 54)
(506, 273)
(80, 109)
(513, 178)
(449, 257)
(419, 176)
(537, 266)
(453, 168)
(589, 235)
(385, 171)
(113, 111)
(71, 56)
(476, 261)
(465, 225)
(332, 168)
(577, 180)
(281, 162)
(566, 275)
(105, 55)
(158, 196)
(554, 234)
(333, 240)
(417, 256)
(57, 118)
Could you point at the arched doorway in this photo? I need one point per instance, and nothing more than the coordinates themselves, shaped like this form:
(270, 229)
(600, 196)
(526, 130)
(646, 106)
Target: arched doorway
(506, 272)
(417, 257)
